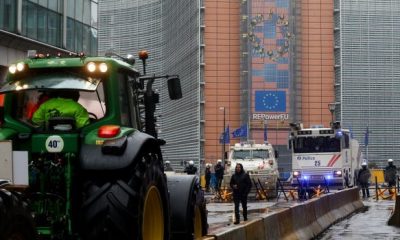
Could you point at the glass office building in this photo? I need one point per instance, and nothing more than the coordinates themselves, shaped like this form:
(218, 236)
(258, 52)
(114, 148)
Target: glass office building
(169, 31)
(47, 26)
(367, 72)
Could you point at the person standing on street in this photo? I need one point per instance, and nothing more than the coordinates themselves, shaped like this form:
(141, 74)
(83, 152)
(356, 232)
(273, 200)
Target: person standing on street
(219, 173)
(168, 166)
(241, 186)
(363, 179)
(208, 176)
(191, 169)
(390, 174)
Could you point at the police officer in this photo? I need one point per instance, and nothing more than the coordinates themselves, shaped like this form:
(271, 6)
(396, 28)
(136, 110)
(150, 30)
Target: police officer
(168, 167)
(241, 186)
(363, 179)
(191, 169)
(219, 173)
(390, 173)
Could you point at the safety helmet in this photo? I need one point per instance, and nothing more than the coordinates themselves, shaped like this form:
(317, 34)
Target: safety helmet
(219, 160)
(208, 165)
(167, 162)
(390, 160)
(364, 164)
(191, 162)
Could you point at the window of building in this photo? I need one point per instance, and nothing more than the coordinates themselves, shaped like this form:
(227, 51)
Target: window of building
(78, 36)
(86, 12)
(8, 15)
(41, 24)
(71, 8)
(79, 10)
(86, 39)
(94, 12)
(54, 26)
(82, 26)
(93, 41)
(70, 34)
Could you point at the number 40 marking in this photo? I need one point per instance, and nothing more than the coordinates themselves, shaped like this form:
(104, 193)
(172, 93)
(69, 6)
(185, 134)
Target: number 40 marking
(54, 144)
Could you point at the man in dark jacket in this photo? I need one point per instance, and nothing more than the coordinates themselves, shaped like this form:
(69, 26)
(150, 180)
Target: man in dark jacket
(219, 173)
(363, 178)
(241, 185)
(390, 174)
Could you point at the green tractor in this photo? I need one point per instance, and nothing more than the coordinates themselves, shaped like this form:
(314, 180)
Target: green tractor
(100, 179)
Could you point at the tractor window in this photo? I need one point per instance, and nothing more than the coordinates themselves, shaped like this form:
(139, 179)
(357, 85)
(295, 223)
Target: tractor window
(132, 97)
(26, 103)
(94, 102)
(123, 99)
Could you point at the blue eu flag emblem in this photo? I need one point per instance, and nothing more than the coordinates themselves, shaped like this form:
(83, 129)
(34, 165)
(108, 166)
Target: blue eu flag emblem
(270, 101)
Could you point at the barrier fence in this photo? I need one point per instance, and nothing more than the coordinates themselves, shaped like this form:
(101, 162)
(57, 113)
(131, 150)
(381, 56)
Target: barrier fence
(379, 190)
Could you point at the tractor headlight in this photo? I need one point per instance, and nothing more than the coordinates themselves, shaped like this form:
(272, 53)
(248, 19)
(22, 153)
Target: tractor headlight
(103, 67)
(12, 69)
(91, 67)
(20, 66)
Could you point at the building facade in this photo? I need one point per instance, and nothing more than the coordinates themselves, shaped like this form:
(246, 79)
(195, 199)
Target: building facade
(367, 74)
(48, 26)
(170, 32)
(286, 70)
(260, 64)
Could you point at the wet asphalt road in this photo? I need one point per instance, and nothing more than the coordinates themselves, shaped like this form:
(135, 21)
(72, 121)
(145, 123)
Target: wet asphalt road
(370, 223)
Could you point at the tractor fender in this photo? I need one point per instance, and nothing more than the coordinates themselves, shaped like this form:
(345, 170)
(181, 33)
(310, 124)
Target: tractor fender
(185, 192)
(93, 158)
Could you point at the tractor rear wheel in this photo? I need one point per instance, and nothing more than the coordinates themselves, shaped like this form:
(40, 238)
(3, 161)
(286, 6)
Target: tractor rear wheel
(129, 205)
(16, 222)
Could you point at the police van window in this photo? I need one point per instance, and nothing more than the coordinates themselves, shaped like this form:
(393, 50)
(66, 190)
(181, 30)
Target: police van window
(260, 153)
(241, 154)
(316, 144)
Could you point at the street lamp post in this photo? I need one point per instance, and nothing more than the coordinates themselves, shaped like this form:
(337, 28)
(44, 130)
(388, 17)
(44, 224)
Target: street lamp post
(332, 108)
(223, 137)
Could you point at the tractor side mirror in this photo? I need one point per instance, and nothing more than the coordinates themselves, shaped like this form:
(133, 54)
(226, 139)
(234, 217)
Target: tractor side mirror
(174, 88)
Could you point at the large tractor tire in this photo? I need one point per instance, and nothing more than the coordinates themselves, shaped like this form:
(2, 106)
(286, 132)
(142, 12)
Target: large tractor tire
(188, 207)
(131, 204)
(16, 222)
